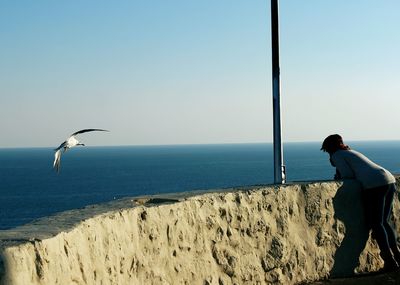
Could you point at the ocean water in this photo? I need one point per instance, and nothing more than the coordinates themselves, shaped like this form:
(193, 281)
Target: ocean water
(30, 189)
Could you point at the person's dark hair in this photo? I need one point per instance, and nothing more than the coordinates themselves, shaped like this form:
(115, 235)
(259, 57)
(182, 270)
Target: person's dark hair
(333, 143)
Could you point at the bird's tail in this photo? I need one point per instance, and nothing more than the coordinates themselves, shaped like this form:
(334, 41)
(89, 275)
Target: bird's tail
(57, 160)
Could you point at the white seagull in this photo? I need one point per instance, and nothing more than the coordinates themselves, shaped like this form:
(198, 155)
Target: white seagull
(69, 143)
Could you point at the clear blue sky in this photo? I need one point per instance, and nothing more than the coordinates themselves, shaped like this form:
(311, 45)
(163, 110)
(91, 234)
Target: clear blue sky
(175, 72)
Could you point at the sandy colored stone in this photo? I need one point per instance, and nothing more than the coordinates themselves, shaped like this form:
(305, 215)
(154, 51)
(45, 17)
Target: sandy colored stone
(289, 234)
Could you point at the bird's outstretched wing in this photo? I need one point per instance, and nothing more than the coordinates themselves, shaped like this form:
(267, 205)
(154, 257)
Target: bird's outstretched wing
(57, 160)
(88, 130)
(61, 146)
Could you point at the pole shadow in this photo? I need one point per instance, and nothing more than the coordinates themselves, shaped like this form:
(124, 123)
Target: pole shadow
(348, 208)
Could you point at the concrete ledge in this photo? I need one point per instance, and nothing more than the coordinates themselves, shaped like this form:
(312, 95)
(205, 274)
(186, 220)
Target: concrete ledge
(259, 235)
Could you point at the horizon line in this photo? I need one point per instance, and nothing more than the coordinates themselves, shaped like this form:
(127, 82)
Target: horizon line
(199, 144)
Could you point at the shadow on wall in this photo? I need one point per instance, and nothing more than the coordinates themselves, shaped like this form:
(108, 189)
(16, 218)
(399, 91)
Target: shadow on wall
(349, 210)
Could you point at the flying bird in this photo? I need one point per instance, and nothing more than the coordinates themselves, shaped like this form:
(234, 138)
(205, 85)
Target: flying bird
(69, 143)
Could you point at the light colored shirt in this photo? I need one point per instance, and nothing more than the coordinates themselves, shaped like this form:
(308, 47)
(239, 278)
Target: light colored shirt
(354, 165)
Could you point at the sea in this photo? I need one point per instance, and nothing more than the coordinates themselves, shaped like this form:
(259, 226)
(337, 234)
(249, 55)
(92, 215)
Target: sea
(30, 188)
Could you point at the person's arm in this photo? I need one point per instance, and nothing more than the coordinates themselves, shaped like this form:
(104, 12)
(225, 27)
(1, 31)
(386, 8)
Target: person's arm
(331, 161)
(337, 176)
(344, 169)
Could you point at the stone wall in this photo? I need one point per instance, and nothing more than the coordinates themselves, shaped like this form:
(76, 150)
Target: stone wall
(260, 235)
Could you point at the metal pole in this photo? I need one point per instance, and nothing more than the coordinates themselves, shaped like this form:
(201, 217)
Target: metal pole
(279, 168)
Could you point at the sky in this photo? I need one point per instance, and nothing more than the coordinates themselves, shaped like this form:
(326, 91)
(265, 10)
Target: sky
(195, 72)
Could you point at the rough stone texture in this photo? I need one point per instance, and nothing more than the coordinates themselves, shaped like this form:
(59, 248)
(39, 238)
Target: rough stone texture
(262, 235)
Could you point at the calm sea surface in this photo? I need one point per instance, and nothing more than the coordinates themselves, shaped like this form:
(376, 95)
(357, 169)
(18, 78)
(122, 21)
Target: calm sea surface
(29, 188)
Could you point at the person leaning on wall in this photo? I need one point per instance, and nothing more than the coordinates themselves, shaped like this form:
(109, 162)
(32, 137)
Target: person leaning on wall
(377, 194)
